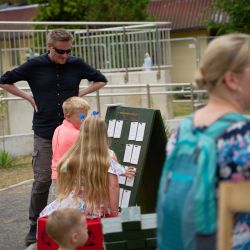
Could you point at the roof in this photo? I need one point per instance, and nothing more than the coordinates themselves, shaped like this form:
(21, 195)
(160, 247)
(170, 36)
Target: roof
(20, 13)
(185, 14)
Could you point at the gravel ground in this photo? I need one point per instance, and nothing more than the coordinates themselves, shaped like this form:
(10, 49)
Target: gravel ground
(14, 223)
(14, 207)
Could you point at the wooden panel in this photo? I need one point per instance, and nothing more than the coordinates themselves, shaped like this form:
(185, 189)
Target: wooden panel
(233, 197)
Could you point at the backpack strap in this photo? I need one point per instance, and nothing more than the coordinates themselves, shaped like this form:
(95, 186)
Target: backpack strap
(216, 128)
(225, 121)
(186, 126)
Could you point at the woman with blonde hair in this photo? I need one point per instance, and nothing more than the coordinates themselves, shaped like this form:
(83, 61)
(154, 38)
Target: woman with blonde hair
(225, 72)
(85, 180)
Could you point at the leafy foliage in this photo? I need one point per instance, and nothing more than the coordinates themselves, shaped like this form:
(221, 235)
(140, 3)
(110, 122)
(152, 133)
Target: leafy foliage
(6, 161)
(92, 10)
(238, 12)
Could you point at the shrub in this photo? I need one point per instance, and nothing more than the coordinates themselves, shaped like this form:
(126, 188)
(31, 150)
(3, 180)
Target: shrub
(6, 161)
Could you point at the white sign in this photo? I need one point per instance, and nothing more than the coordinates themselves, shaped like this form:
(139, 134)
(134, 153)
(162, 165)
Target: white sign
(118, 129)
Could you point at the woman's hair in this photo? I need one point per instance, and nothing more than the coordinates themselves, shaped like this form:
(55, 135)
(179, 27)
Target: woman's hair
(59, 35)
(225, 53)
(85, 166)
(61, 222)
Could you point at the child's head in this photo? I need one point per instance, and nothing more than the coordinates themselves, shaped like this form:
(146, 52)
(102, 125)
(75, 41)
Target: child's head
(86, 164)
(67, 227)
(75, 109)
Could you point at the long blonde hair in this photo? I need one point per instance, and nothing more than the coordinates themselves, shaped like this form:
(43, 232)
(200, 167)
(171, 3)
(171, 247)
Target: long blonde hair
(85, 165)
(225, 53)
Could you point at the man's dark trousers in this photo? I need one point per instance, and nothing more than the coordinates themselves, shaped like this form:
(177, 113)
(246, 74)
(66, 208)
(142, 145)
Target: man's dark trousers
(41, 163)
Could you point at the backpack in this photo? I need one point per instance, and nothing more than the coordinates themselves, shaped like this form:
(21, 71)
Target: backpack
(187, 193)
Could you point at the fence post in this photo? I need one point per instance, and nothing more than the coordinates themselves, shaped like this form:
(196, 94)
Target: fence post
(158, 53)
(2, 112)
(192, 96)
(88, 57)
(98, 103)
(148, 96)
(125, 55)
(1, 61)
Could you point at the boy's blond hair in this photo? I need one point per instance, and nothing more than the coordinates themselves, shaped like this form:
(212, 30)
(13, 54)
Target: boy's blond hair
(61, 222)
(73, 104)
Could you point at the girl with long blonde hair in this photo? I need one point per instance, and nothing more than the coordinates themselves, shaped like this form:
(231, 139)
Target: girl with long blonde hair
(84, 180)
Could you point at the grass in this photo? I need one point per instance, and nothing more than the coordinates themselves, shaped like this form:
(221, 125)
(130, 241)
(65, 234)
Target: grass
(21, 172)
(182, 108)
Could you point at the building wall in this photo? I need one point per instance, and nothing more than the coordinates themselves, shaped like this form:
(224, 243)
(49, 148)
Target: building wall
(186, 54)
(14, 53)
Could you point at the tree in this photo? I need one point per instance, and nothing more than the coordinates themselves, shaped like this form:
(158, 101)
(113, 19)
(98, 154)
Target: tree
(92, 10)
(238, 12)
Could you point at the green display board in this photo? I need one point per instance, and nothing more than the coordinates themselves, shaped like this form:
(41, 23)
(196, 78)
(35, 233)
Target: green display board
(138, 138)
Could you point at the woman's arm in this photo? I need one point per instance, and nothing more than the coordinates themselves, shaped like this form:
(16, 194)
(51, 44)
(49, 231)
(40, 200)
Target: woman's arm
(114, 191)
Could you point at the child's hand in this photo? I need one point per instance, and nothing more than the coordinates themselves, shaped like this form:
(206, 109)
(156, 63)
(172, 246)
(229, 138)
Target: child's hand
(130, 171)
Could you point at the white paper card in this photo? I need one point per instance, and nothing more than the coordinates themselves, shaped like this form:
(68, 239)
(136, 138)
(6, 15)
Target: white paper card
(118, 129)
(122, 179)
(132, 131)
(120, 196)
(135, 154)
(130, 181)
(128, 153)
(111, 128)
(140, 131)
(125, 198)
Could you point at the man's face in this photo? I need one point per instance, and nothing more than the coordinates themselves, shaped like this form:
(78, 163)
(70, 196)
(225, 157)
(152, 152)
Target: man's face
(59, 51)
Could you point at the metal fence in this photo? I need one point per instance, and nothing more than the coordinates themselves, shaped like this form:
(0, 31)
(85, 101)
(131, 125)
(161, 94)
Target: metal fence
(109, 48)
(179, 93)
(182, 94)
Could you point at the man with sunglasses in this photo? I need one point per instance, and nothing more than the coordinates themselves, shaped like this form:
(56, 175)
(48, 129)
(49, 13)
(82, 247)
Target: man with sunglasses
(53, 78)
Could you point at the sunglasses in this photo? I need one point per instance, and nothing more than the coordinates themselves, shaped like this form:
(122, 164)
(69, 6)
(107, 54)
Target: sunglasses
(62, 51)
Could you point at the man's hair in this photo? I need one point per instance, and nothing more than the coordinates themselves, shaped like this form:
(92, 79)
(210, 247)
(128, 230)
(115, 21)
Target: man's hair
(59, 35)
(61, 222)
(72, 104)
